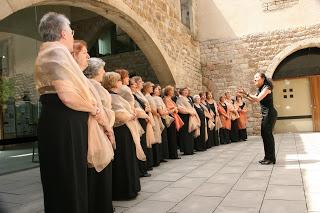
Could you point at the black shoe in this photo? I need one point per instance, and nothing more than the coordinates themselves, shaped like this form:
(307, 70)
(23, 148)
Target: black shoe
(164, 161)
(267, 162)
(145, 175)
(260, 161)
(149, 169)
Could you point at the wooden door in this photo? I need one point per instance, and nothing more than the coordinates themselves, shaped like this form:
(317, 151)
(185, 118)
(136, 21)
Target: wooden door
(315, 96)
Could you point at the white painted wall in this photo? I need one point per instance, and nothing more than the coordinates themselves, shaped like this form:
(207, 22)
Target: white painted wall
(234, 18)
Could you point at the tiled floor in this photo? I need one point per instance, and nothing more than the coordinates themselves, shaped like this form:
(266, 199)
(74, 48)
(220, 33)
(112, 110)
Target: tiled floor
(224, 179)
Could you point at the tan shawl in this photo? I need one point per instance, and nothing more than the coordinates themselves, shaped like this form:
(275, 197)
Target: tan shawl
(124, 113)
(106, 104)
(150, 137)
(56, 71)
(158, 126)
(161, 106)
(194, 120)
(126, 93)
(170, 104)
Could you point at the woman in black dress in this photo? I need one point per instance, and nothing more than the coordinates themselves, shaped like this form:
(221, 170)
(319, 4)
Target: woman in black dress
(191, 127)
(269, 114)
(217, 122)
(200, 141)
(234, 133)
(209, 119)
(99, 183)
(174, 126)
(157, 124)
(69, 113)
(125, 172)
(166, 120)
(143, 106)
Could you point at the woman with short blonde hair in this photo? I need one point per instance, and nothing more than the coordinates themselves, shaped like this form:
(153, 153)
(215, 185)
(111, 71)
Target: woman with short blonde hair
(125, 175)
(110, 80)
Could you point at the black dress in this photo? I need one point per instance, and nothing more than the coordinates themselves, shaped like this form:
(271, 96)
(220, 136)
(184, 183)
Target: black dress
(269, 118)
(172, 141)
(216, 139)
(63, 143)
(234, 133)
(125, 172)
(243, 132)
(185, 137)
(210, 141)
(147, 151)
(100, 190)
(164, 149)
(223, 132)
(156, 154)
(200, 141)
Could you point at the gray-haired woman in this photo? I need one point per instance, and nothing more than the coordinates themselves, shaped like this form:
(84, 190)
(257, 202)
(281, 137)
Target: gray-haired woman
(63, 130)
(100, 183)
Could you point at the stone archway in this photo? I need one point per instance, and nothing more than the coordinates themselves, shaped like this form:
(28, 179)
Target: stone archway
(315, 42)
(121, 14)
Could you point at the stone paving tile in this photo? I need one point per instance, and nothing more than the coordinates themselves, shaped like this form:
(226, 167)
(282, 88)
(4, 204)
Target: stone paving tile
(313, 203)
(224, 179)
(250, 199)
(127, 204)
(281, 192)
(171, 194)
(284, 179)
(259, 174)
(282, 206)
(148, 206)
(232, 169)
(213, 189)
(188, 182)
(168, 176)
(251, 184)
(197, 204)
(154, 186)
(229, 209)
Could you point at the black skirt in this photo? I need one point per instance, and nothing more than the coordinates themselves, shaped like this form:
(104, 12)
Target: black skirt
(125, 172)
(224, 136)
(234, 134)
(200, 141)
(63, 143)
(243, 134)
(100, 190)
(172, 141)
(164, 149)
(210, 141)
(145, 165)
(216, 138)
(185, 137)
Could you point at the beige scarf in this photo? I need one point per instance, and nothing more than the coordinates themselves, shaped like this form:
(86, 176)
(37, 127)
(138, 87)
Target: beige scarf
(56, 71)
(123, 113)
(150, 137)
(194, 120)
(126, 93)
(106, 104)
(161, 106)
(158, 126)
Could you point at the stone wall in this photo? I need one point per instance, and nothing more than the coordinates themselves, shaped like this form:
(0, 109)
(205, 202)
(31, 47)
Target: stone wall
(231, 63)
(271, 5)
(25, 83)
(154, 25)
(135, 62)
(177, 40)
